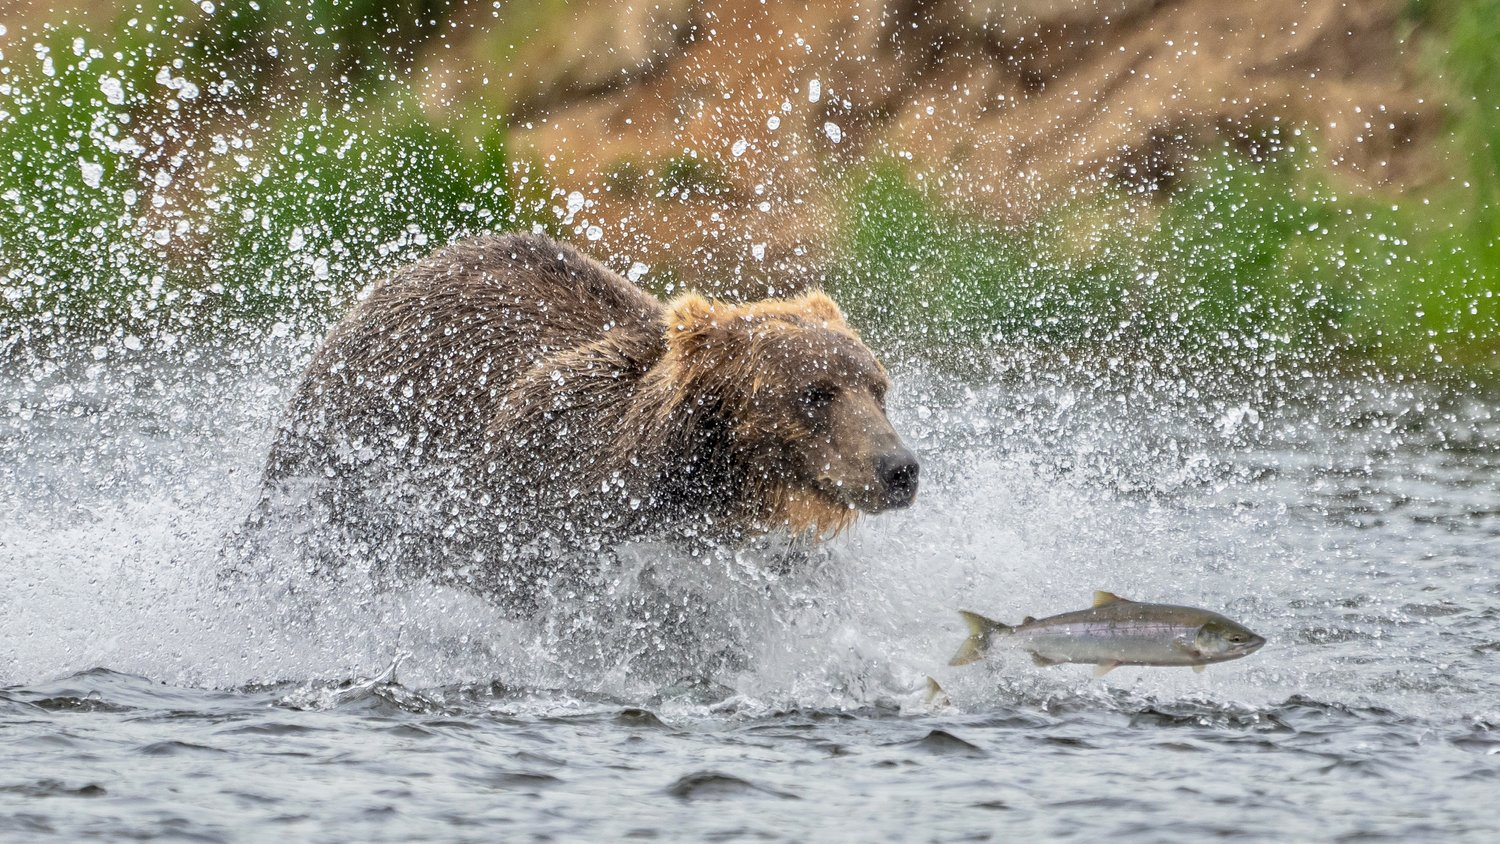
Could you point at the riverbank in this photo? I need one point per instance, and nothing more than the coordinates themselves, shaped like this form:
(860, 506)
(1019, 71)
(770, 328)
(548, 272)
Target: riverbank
(207, 175)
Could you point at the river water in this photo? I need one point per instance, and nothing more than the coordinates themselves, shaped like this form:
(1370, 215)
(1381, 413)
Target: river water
(1354, 523)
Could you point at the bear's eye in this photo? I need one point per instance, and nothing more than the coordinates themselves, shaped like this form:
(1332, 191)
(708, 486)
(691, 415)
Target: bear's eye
(817, 396)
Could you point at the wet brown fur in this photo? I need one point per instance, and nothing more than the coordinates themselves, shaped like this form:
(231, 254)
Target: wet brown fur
(707, 354)
(512, 388)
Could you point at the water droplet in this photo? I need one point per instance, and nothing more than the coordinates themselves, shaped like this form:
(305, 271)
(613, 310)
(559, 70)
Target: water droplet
(814, 91)
(739, 147)
(833, 132)
(114, 92)
(93, 173)
(576, 202)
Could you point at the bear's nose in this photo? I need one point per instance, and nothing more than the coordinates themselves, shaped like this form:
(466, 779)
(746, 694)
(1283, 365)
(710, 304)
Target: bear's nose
(898, 472)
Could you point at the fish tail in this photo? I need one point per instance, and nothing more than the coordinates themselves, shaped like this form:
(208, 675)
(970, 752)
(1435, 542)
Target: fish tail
(981, 631)
(936, 697)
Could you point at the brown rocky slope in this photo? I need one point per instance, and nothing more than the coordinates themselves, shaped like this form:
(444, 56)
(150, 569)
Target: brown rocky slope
(719, 132)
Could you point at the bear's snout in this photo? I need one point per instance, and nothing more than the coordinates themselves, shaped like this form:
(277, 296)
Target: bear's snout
(898, 472)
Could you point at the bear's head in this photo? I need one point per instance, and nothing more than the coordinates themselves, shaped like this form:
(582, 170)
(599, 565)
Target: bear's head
(796, 402)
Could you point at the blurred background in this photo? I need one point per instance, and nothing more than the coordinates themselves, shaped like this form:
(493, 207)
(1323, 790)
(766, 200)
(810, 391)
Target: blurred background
(1270, 187)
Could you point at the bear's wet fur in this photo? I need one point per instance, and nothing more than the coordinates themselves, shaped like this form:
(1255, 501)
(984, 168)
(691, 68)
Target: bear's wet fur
(508, 403)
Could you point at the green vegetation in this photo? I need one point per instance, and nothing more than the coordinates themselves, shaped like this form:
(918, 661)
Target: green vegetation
(72, 181)
(330, 38)
(1438, 299)
(127, 211)
(341, 191)
(685, 175)
(680, 177)
(1222, 264)
(1249, 261)
(196, 172)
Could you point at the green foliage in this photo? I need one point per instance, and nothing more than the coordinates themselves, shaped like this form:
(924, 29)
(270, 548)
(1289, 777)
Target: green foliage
(341, 191)
(624, 179)
(1218, 267)
(679, 177)
(123, 215)
(1474, 69)
(1250, 261)
(1432, 266)
(261, 162)
(1428, 298)
(1462, 308)
(76, 248)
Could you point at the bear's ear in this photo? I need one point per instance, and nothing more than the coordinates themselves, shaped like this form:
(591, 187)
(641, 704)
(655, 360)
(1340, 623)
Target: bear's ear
(818, 305)
(689, 313)
(690, 322)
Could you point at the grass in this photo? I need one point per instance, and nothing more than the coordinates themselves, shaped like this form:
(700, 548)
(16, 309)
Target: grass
(341, 191)
(1252, 263)
(127, 213)
(143, 194)
(327, 38)
(1215, 267)
(73, 246)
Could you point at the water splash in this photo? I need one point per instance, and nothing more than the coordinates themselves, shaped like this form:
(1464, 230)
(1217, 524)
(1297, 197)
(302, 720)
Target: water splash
(1032, 499)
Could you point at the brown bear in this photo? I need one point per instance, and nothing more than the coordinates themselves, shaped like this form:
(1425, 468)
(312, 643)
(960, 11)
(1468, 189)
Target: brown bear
(508, 404)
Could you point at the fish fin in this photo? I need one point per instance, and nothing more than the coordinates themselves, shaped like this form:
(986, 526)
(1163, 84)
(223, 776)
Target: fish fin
(981, 629)
(1198, 669)
(1186, 646)
(1104, 668)
(1102, 598)
(936, 696)
(1030, 619)
(1043, 661)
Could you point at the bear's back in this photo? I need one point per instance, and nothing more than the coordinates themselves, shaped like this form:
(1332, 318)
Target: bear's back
(529, 286)
(428, 356)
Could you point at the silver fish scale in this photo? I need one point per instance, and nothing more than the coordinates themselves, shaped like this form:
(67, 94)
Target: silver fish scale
(1122, 641)
(1117, 631)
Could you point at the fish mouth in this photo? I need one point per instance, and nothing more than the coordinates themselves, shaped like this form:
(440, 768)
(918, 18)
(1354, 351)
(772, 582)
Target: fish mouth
(1249, 647)
(1233, 650)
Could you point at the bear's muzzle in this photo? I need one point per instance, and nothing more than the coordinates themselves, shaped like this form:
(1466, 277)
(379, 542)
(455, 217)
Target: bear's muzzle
(897, 471)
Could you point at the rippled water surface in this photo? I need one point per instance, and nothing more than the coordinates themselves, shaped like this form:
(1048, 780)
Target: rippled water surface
(1356, 526)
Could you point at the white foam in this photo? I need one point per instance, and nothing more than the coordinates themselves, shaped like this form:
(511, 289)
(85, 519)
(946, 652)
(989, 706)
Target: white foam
(122, 569)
